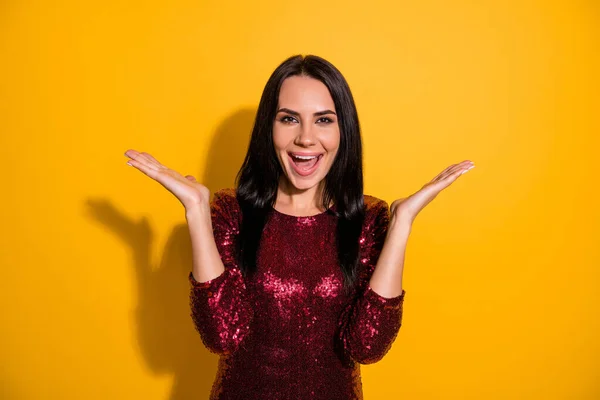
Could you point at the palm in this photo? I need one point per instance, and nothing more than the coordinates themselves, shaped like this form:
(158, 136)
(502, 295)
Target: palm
(408, 208)
(189, 192)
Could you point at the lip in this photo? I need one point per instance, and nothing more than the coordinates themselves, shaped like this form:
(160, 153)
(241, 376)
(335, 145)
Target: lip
(299, 153)
(309, 171)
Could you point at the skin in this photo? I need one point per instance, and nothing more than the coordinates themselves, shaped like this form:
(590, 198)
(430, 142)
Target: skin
(306, 122)
(298, 129)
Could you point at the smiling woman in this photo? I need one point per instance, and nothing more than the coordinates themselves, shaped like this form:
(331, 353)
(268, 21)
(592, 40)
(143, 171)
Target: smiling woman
(292, 314)
(297, 274)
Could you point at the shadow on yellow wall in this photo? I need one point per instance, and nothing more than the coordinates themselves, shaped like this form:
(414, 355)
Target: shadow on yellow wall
(162, 316)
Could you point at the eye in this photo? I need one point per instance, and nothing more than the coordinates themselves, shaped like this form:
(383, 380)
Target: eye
(287, 119)
(325, 120)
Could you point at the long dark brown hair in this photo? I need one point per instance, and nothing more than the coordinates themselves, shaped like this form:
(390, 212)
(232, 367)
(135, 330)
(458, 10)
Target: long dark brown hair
(258, 178)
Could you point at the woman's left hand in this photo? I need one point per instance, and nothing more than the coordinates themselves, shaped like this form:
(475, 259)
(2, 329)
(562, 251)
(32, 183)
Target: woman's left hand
(406, 209)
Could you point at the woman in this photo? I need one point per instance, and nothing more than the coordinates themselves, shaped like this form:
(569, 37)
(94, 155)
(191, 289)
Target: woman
(297, 275)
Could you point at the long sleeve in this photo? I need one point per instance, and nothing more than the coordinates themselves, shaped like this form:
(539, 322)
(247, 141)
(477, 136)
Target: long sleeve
(369, 324)
(221, 308)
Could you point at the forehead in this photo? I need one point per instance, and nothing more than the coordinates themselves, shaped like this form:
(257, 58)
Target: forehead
(305, 93)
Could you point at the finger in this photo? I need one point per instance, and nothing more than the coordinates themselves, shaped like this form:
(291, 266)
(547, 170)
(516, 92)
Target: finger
(190, 177)
(455, 168)
(146, 157)
(152, 159)
(442, 173)
(449, 168)
(459, 170)
(151, 172)
(445, 173)
(467, 169)
(142, 160)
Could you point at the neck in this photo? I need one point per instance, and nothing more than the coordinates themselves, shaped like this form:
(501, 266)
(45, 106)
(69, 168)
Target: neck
(299, 201)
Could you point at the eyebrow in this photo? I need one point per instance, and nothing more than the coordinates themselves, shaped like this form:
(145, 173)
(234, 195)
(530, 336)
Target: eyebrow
(317, 114)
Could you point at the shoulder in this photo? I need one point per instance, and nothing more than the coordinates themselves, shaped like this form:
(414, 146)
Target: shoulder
(225, 195)
(377, 217)
(375, 207)
(224, 205)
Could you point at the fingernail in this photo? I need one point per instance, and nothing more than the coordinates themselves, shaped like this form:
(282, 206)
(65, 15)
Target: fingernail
(128, 163)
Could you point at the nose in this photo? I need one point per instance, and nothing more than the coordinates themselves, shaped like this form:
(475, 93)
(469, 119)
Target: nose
(306, 136)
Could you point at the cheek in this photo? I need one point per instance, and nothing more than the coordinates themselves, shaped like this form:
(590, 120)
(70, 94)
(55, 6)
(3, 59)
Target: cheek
(279, 141)
(283, 135)
(331, 142)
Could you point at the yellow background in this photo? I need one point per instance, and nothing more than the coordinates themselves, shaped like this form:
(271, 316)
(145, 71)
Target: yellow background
(502, 268)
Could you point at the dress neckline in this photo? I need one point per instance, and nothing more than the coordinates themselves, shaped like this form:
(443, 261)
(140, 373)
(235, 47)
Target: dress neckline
(328, 211)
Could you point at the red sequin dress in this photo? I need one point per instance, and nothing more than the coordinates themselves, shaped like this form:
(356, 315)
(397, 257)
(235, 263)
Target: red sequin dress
(290, 332)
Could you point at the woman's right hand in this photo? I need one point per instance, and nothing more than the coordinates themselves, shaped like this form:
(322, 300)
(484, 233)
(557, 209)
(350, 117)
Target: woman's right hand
(189, 192)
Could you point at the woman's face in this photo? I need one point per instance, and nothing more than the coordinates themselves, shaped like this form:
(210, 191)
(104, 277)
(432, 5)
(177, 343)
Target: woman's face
(306, 133)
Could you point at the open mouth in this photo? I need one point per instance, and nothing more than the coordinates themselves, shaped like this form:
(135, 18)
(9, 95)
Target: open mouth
(305, 164)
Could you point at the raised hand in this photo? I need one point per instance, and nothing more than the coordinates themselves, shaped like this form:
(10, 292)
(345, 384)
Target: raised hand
(189, 192)
(406, 209)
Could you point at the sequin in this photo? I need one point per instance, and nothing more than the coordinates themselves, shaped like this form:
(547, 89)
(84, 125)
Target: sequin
(290, 332)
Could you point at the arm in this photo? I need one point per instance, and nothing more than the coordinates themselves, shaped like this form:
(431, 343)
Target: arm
(370, 323)
(219, 302)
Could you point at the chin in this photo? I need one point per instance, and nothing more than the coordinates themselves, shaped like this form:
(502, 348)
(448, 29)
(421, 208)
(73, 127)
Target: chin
(304, 184)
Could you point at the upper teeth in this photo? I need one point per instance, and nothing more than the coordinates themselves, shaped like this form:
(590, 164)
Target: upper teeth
(304, 157)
